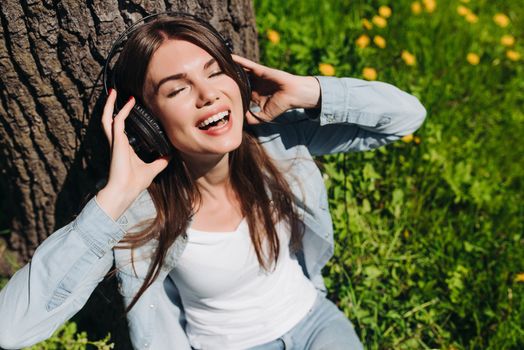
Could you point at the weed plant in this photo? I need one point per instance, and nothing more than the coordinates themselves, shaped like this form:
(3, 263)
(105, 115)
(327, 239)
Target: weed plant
(429, 230)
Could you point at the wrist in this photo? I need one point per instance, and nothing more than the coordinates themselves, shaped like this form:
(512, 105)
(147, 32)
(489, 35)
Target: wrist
(307, 93)
(114, 202)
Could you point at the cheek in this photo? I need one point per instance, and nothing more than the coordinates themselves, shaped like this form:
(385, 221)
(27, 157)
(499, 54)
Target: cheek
(231, 86)
(173, 127)
(171, 114)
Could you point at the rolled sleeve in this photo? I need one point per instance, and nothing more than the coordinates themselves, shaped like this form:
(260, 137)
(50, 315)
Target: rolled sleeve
(99, 231)
(354, 115)
(376, 106)
(63, 272)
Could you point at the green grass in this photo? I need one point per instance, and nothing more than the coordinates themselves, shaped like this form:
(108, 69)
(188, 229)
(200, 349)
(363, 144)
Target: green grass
(429, 235)
(67, 337)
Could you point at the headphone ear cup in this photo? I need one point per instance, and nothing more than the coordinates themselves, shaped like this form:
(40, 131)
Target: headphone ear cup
(146, 135)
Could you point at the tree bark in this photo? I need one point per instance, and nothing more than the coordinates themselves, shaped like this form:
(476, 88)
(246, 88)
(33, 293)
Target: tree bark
(51, 55)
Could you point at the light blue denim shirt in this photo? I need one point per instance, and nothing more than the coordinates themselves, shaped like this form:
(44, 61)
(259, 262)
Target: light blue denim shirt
(355, 115)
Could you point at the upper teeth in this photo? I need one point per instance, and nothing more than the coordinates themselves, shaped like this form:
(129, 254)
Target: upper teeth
(213, 118)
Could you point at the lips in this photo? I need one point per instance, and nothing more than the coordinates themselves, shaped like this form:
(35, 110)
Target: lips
(218, 128)
(211, 113)
(217, 119)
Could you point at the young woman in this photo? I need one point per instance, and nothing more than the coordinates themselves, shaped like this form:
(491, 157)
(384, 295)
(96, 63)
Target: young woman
(221, 244)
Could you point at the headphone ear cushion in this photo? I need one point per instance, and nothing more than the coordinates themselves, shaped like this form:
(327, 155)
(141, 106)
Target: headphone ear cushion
(146, 135)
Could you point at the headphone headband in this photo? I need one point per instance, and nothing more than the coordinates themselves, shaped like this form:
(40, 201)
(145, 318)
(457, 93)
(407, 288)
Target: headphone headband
(144, 132)
(132, 28)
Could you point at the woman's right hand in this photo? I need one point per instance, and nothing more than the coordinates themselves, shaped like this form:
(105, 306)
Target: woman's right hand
(128, 174)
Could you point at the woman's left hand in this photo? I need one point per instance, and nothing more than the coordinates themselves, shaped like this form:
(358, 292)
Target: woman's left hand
(276, 91)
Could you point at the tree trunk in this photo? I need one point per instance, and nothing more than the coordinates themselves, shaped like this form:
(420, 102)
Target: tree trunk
(51, 55)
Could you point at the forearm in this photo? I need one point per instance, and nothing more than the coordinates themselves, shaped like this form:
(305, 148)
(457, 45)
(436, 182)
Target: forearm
(115, 201)
(61, 276)
(353, 115)
(307, 93)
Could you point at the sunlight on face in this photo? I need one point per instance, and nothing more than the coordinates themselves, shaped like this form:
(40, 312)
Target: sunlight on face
(199, 106)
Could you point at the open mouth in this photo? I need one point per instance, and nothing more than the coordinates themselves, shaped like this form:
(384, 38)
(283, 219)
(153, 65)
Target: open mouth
(215, 122)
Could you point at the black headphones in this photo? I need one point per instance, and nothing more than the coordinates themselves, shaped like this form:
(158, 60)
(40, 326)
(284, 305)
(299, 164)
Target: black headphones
(144, 132)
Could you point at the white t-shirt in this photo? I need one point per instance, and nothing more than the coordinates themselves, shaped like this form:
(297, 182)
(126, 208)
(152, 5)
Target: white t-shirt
(230, 302)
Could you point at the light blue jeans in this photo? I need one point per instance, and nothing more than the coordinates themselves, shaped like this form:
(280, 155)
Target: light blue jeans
(324, 327)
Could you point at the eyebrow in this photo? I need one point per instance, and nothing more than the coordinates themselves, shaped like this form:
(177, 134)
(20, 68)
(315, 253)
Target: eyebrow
(180, 75)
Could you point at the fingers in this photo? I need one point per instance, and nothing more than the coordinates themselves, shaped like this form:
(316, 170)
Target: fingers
(114, 127)
(119, 119)
(107, 115)
(251, 119)
(256, 118)
(158, 165)
(256, 68)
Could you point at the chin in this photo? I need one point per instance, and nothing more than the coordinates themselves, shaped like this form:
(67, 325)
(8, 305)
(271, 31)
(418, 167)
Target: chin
(231, 146)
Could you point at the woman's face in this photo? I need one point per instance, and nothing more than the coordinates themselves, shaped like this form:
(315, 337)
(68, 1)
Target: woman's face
(199, 106)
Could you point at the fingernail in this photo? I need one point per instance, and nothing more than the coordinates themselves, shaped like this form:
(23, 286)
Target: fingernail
(130, 98)
(110, 91)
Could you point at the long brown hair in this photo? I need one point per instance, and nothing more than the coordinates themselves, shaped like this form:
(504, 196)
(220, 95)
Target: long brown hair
(264, 194)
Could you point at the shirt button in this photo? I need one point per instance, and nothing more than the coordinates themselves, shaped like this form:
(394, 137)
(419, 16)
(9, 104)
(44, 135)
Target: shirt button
(111, 241)
(152, 306)
(123, 220)
(146, 345)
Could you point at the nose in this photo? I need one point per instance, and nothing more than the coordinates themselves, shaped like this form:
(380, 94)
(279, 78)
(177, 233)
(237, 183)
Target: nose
(207, 94)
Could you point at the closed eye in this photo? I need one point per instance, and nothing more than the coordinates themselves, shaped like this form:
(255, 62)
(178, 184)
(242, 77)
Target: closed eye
(174, 93)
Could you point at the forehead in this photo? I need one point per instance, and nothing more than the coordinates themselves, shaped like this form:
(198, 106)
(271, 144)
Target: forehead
(176, 56)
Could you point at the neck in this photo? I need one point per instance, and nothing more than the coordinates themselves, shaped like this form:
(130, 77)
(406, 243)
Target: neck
(211, 174)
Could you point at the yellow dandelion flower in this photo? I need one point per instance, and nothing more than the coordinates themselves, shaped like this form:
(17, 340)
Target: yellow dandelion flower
(473, 58)
(430, 5)
(407, 138)
(463, 10)
(417, 140)
(501, 20)
(472, 18)
(362, 41)
(406, 234)
(507, 40)
(408, 58)
(379, 41)
(384, 11)
(369, 73)
(380, 22)
(273, 36)
(416, 7)
(367, 24)
(519, 277)
(513, 55)
(326, 69)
